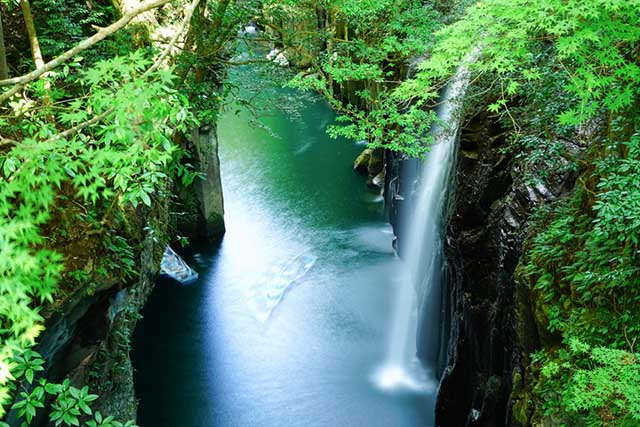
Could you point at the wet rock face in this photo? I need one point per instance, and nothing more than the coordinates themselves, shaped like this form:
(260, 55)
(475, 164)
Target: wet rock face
(492, 330)
(399, 190)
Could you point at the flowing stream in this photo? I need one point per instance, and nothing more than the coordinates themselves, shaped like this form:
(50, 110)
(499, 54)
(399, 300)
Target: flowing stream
(293, 310)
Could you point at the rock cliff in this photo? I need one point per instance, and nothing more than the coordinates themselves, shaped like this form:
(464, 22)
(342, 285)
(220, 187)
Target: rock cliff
(492, 331)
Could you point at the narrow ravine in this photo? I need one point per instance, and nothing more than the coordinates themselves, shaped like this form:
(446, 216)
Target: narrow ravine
(183, 245)
(291, 315)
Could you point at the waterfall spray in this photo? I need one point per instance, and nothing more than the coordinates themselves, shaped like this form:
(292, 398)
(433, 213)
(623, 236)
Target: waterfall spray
(419, 294)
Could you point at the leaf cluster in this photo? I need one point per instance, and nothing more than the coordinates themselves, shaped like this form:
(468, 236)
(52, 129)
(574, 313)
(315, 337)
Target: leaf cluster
(367, 50)
(595, 45)
(583, 265)
(596, 385)
(122, 160)
(63, 404)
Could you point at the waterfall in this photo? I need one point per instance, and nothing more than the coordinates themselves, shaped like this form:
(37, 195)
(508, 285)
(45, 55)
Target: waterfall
(418, 304)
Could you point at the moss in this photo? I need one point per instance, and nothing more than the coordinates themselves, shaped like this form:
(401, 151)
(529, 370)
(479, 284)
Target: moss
(516, 381)
(493, 385)
(215, 223)
(521, 409)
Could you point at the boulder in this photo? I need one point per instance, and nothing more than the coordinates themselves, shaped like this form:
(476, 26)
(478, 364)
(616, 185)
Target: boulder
(378, 180)
(376, 162)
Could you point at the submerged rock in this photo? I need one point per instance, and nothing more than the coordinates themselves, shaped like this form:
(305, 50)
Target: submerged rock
(266, 294)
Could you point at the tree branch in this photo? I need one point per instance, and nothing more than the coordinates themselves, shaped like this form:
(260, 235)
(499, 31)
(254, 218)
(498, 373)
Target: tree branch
(155, 66)
(103, 33)
(81, 126)
(176, 36)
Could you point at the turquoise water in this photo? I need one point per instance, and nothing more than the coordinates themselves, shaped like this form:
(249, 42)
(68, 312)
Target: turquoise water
(289, 319)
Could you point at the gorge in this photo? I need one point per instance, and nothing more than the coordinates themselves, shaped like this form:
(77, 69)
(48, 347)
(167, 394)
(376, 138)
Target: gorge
(400, 212)
(310, 358)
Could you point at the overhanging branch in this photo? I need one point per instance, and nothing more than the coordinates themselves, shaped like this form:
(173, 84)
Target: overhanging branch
(154, 67)
(103, 33)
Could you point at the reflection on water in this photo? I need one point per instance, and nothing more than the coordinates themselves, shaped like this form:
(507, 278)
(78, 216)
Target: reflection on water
(291, 313)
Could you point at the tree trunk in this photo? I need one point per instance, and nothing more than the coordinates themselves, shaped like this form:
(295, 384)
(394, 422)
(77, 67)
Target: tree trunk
(33, 41)
(4, 69)
(31, 32)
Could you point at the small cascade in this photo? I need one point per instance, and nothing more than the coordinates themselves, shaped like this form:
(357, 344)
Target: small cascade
(418, 304)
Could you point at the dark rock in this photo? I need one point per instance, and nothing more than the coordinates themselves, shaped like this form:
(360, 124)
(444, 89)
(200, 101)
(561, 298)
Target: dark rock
(492, 329)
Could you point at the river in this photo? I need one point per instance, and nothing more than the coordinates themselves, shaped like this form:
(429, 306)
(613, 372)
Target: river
(290, 317)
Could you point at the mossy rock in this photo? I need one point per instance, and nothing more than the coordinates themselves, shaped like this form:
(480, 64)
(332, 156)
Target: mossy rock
(361, 164)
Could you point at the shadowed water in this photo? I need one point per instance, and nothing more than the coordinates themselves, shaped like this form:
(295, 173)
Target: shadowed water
(292, 311)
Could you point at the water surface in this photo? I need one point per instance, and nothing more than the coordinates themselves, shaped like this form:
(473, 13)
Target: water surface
(290, 317)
